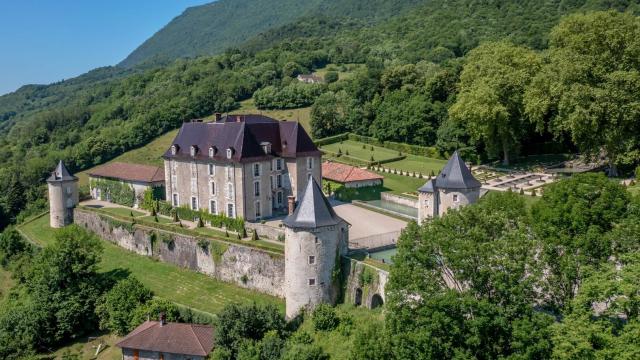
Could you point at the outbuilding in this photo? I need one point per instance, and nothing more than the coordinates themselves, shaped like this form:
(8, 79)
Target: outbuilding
(167, 341)
(350, 176)
(125, 183)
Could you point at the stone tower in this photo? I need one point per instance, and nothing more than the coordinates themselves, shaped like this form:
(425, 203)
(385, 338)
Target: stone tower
(63, 196)
(453, 188)
(315, 237)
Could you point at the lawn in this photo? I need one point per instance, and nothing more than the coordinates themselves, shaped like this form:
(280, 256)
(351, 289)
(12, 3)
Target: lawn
(83, 348)
(345, 71)
(182, 286)
(122, 211)
(148, 154)
(635, 190)
(397, 184)
(161, 219)
(302, 115)
(355, 149)
(418, 164)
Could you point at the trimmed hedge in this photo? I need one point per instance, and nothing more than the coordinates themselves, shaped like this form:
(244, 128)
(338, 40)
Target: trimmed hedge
(331, 139)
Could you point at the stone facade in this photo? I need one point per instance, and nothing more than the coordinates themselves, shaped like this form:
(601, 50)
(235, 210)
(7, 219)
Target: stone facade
(244, 266)
(311, 258)
(131, 354)
(253, 190)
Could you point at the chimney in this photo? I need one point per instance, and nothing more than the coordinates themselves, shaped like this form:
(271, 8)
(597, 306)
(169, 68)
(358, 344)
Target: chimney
(291, 200)
(218, 116)
(163, 319)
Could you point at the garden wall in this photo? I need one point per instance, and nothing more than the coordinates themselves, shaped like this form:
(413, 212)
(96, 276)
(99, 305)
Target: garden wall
(247, 267)
(365, 284)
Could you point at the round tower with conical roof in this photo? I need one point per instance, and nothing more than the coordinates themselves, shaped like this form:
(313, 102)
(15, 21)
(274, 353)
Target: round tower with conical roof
(454, 187)
(315, 238)
(63, 196)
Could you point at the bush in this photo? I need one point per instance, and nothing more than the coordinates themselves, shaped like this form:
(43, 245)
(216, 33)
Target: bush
(294, 95)
(638, 173)
(331, 77)
(116, 307)
(152, 310)
(324, 318)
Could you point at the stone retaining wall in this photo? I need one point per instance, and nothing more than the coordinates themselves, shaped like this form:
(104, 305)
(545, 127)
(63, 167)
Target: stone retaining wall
(397, 199)
(265, 230)
(247, 267)
(364, 282)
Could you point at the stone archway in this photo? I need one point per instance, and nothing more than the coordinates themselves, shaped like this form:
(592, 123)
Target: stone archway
(376, 301)
(358, 299)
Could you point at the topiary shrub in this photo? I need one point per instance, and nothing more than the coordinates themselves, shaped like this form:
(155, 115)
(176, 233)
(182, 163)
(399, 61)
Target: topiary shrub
(200, 223)
(521, 191)
(254, 236)
(324, 318)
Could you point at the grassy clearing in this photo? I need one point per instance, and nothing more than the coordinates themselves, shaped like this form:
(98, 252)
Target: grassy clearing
(85, 349)
(182, 286)
(635, 190)
(302, 115)
(418, 164)
(345, 71)
(355, 149)
(6, 282)
(148, 154)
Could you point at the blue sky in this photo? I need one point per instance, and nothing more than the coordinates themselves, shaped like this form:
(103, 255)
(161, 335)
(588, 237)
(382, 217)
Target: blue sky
(43, 41)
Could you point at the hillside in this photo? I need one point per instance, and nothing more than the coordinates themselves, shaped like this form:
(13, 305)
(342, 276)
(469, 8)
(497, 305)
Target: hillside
(212, 28)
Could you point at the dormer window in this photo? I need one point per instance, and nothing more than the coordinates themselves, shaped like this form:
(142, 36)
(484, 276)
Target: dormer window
(212, 151)
(266, 147)
(229, 153)
(193, 150)
(174, 149)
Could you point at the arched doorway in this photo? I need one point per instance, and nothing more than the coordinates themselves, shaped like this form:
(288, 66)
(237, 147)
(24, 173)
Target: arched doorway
(358, 300)
(376, 301)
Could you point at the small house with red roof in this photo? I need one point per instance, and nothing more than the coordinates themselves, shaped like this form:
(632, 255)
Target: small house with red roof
(350, 176)
(160, 340)
(136, 177)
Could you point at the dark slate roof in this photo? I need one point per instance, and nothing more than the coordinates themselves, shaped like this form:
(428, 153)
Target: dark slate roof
(61, 174)
(175, 338)
(313, 210)
(456, 175)
(244, 135)
(427, 187)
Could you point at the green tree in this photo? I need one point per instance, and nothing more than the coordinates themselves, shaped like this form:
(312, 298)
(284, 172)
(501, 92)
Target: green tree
(490, 101)
(331, 77)
(589, 84)
(305, 352)
(324, 318)
(152, 309)
(12, 246)
(116, 307)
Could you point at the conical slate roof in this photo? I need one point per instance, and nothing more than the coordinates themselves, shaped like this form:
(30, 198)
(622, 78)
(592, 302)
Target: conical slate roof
(313, 210)
(427, 187)
(456, 175)
(61, 174)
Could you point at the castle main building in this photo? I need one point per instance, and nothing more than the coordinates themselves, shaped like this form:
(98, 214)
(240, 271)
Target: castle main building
(240, 165)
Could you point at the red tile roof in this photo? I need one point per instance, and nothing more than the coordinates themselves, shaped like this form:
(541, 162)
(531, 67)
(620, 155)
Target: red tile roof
(129, 172)
(346, 173)
(175, 338)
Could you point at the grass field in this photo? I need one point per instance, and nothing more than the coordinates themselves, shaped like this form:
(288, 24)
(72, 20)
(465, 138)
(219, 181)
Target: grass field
(161, 220)
(419, 164)
(302, 115)
(122, 211)
(355, 149)
(182, 286)
(148, 154)
(6, 282)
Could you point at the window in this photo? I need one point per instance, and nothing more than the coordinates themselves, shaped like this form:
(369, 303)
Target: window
(175, 200)
(426, 202)
(229, 171)
(231, 211)
(194, 170)
(230, 191)
(194, 184)
(455, 197)
(312, 282)
(271, 182)
(309, 163)
(278, 164)
(174, 149)
(174, 182)
(68, 190)
(194, 203)
(279, 197)
(212, 151)
(312, 259)
(212, 169)
(258, 209)
(229, 153)
(193, 150)
(256, 188)
(256, 170)
(316, 239)
(279, 181)
(212, 187)
(266, 147)
(213, 207)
